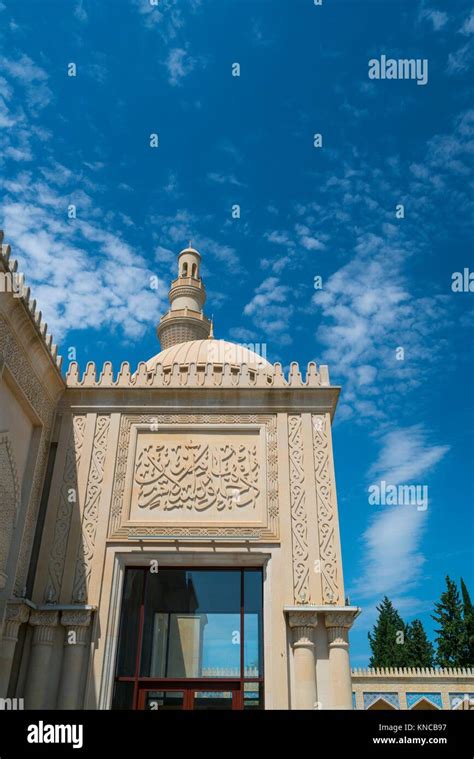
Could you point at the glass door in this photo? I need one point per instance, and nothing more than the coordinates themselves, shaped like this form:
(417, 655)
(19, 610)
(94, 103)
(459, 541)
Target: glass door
(189, 698)
(162, 700)
(215, 700)
(190, 638)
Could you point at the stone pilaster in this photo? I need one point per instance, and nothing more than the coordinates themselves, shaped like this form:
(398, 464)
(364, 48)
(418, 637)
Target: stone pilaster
(302, 623)
(338, 622)
(17, 613)
(76, 625)
(45, 624)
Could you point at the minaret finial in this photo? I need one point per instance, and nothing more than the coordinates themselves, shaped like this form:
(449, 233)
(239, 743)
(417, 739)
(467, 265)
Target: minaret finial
(185, 321)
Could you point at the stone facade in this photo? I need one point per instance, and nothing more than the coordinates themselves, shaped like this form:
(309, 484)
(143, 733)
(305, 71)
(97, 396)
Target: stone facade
(218, 460)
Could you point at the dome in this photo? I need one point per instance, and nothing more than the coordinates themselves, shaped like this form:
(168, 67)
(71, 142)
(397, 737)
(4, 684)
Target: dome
(210, 351)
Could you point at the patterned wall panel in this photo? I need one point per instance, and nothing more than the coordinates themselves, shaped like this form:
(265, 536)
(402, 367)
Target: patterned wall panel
(390, 698)
(433, 698)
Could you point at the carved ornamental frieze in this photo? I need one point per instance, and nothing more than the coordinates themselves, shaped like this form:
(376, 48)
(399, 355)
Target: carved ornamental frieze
(196, 475)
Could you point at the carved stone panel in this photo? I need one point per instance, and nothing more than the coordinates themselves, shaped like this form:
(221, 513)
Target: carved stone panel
(197, 475)
(67, 502)
(326, 505)
(90, 516)
(299, 519)
(9, 498)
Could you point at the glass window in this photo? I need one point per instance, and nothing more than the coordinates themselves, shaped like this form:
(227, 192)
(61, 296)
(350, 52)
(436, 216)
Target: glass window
(253, 696)
(123, 695)
(129, 628)
(192, 624)
(158, 700)
(212, 700)
(253, 628)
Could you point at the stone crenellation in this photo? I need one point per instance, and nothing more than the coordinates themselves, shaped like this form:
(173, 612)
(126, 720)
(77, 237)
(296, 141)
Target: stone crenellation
(11, 267)
(195, 376)
(413, 672)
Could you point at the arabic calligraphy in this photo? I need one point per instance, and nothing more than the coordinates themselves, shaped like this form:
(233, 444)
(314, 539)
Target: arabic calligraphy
(197, 476)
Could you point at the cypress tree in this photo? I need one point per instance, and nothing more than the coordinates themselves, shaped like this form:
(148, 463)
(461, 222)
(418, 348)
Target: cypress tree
(451, 637)
(388, 638)
(468, 619)
(419, 650)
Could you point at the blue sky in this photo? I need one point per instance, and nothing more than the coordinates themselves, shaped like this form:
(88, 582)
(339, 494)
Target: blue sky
(305, 212)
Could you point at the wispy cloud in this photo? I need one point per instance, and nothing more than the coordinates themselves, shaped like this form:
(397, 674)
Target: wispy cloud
(80, 12)
(167, 16)
(406, 456)
(179, 64)
(438, 19)
(231, 179)
(392, 558)
(270, 309)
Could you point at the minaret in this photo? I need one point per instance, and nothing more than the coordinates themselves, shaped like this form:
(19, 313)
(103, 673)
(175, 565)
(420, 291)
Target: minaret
(185, 320)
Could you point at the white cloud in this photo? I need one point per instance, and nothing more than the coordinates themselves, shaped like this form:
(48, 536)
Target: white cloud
(167, 17)
(33, 78)
(82, 275)
(406, 456)
(270, 311)
(437, 18)
(392, 556)
(279, 238)
(80, 12)
(214, 176)
(392, 559)
(179, 64)
(311, 243)
(468, 26)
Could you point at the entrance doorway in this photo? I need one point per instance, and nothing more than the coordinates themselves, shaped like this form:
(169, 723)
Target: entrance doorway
(190, 638)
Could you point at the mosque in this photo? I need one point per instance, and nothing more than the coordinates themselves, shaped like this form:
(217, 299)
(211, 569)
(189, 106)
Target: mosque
(169, 536)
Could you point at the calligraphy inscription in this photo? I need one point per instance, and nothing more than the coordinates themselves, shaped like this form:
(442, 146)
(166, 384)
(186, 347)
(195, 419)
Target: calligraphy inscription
(197, 476)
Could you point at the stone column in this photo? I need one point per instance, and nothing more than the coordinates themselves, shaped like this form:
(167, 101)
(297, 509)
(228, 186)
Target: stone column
(17, 613)
(77, 624)
(338, 624)
(36, 690)
(302, 624)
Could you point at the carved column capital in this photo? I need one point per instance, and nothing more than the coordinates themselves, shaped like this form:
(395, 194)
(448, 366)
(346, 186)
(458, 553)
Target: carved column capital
(302, 623)
(17, 613)
(44, 623)
(77, 621)
(338, 623)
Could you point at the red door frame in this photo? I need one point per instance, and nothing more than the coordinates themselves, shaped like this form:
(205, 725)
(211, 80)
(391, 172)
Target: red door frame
(189, 688)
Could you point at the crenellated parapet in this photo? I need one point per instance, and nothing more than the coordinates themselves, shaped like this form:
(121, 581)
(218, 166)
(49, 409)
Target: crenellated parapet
(413, 672)
(196, 376)
(13, 281)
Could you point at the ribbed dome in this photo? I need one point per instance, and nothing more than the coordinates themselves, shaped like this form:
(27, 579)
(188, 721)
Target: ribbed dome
(209, 351)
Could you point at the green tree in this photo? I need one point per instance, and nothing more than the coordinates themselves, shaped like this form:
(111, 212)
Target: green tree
(450, 635)
(388, 638)
(419, 650)
(468, 619)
